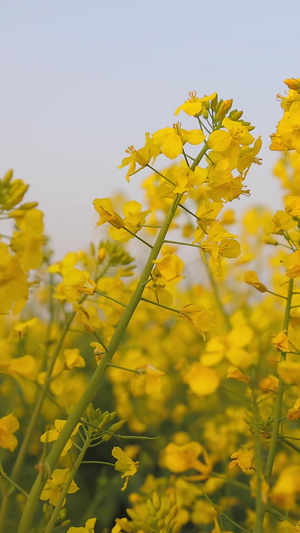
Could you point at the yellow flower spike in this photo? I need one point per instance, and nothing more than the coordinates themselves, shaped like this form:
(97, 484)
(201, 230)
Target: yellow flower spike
(281, 342)
(55, 484)
(124, 464)
(244, 459)
(8, 425)
(89, 527)
(251, 278)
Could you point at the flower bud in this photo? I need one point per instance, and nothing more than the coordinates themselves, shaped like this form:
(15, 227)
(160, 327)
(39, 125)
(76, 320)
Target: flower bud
(28, 205)
(235, 114)
(223, 109)
(214, 103)
(292, 83)
(8, 176)
(204, 112)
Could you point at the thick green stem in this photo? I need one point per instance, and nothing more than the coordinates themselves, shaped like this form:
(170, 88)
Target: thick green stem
(75, 416)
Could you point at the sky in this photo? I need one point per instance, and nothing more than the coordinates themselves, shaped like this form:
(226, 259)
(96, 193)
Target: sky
(83, 79)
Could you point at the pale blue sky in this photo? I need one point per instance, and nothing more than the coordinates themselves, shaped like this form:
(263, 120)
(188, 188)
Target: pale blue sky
(82, 80)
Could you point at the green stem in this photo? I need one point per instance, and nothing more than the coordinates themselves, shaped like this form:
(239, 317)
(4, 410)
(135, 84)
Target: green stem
(64, 492)
(218, 297)
(75, 416)
(279, 398)
(260, 508)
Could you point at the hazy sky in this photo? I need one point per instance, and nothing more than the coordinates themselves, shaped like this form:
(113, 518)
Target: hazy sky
(82, 80)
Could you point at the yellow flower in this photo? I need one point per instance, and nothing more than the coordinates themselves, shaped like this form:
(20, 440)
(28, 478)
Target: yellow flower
(124, 464)
(252, 279)
(24, 366)
(294, 413)
(292, 206)
(183, 457)
(8, 425)
(104, 207)
(202, 380)
(287, 487)
(133, 221)
(194, 105)
(235, 373)
(13, 282)
(89, 527)
(292, 265)
(141, 157)
(281, 342)
(202, 319)
(55, 485)
(27, 243)
(172, 140)
(147, 380)
(289, 371)
(168, 269)
(244, 459)
(53, 434)
(73, 358)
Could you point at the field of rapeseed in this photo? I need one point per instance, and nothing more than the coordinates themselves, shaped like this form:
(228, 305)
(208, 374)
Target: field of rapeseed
(138, 394)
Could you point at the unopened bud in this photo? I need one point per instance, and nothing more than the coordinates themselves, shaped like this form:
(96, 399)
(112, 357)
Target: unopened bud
(28, 205)
(223, 109)
(205, 113)
(8, 176)
(214, 103)
(292, 83)
(235, 114)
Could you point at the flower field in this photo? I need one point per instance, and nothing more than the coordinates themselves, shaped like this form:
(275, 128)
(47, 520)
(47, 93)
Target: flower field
(150, 383)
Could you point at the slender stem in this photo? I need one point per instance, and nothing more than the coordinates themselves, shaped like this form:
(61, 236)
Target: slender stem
(109, 297)
(279, 398)
(218, 297)
(64, 492)
(75, 416)
(260, 508)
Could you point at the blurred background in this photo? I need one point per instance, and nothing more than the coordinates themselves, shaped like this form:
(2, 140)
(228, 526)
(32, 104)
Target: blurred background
(82, 80)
